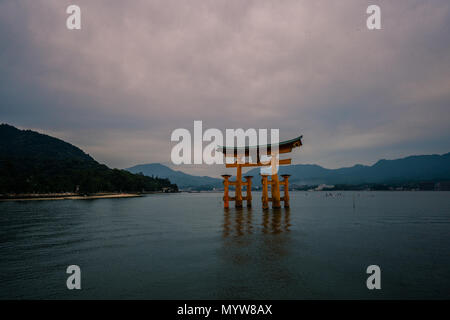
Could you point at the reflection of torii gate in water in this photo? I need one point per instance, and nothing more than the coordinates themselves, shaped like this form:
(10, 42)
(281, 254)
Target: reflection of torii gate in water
(240, 154)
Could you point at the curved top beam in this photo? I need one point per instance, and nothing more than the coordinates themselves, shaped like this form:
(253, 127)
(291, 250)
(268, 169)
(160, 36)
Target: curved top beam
(283, 147)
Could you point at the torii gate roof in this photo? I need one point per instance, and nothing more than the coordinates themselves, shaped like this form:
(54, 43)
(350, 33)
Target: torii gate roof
(283, 147)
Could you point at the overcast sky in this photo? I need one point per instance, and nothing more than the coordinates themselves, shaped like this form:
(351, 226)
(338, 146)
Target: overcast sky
(137, 70)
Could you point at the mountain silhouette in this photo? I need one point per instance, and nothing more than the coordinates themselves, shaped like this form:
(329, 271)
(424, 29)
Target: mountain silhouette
(181, 179)
(410, 169)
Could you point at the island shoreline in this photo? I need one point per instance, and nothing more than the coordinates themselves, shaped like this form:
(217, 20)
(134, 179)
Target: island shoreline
(66, 196)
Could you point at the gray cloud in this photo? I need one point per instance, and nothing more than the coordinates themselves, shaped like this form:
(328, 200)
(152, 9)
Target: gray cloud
(136, 71)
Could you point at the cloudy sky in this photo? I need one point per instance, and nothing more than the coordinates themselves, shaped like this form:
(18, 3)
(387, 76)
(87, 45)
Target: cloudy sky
(137, 70)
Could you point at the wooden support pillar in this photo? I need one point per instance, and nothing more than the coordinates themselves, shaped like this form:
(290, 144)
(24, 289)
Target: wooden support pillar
(265, 192)
(275, 183)
(226, 196)
(248, 182)
(286, 189)
(238, 190)
(275, 190)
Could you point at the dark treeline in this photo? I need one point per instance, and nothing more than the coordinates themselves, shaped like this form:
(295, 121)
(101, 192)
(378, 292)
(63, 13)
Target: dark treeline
(72, 177)
(35, 163)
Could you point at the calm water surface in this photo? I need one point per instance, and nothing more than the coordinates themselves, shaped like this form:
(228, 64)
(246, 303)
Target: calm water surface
(185, 246)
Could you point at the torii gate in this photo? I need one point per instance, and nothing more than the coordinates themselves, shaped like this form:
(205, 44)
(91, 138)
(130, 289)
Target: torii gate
(239, 154)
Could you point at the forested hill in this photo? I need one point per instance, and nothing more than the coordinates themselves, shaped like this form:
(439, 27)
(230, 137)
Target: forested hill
(33, 162)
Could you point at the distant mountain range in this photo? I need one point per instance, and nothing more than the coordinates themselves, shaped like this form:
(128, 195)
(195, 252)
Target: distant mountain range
(34, 162)
(409, 169)
(31, 162)
(181, 179)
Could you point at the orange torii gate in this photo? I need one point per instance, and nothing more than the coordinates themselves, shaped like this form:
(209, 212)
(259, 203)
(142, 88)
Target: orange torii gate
(239, 162)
